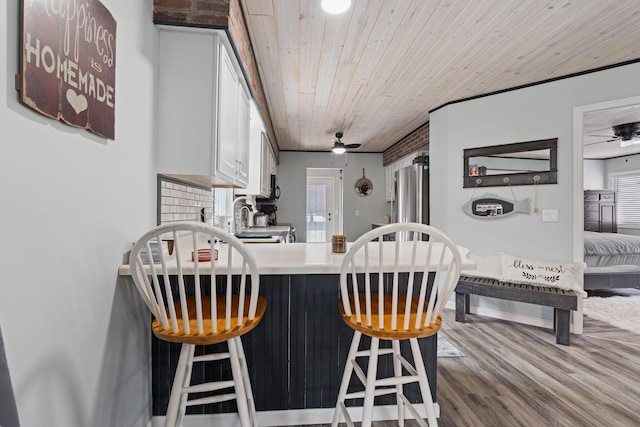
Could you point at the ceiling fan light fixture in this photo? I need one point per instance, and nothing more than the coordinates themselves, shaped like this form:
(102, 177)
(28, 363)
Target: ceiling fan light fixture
(336, 6)
(338, 148)
(628, 142)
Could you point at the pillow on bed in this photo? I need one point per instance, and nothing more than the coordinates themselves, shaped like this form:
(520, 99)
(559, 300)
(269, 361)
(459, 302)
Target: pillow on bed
(545, 273)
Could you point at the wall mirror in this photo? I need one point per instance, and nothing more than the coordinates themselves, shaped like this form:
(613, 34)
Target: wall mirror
(521, 163)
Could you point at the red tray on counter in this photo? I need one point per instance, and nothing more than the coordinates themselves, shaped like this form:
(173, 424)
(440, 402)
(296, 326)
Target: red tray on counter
(204, 255)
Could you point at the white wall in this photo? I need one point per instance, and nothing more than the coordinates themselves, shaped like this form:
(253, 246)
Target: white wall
(72, 204)
(597, 172)
(292, 173)
(537, 112)
(621, 164)
(594, 175)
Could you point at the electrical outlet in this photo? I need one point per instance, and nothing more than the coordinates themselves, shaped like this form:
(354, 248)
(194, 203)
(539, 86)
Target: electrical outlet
(357, 212)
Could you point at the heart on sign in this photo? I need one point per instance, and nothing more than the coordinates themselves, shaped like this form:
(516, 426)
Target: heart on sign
(77, 102)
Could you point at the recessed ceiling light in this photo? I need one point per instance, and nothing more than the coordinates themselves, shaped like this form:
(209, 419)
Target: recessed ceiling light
(336, 6)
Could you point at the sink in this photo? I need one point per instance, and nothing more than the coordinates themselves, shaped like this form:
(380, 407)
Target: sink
(254, 235)
(262, 235)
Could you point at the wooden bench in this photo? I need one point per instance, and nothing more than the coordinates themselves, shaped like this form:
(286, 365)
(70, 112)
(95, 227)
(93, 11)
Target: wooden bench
(561, 300)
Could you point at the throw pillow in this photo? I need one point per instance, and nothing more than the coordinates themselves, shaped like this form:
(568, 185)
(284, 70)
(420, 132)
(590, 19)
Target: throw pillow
(545, 273)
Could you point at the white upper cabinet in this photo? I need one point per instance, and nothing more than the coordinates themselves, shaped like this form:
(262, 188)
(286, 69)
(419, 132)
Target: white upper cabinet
(268, 166)
(390, 171)
(261, 159)
(203, 109)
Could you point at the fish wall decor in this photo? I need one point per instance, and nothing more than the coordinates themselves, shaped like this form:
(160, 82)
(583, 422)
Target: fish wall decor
(492, 206)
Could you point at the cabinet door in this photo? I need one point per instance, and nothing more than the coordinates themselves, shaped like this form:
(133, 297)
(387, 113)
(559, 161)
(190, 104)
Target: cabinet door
(388, 177)
(273, 164)
(265, 171)
(242, 141)
(227, 118)
(608, 218)
(186, 135)
(390, 183)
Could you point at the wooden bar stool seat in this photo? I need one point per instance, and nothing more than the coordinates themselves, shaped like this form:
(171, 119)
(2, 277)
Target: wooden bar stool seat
(386, 331)
(206, 338)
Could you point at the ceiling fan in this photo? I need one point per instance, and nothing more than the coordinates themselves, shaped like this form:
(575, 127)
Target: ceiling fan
(626, 133)
(339, 147)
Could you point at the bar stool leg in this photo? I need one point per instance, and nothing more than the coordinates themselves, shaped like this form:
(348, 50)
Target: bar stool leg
(236, 370)
(180, 378)
(247, 384)
(346, 377)
(370, 388)
(425, 390)
(184, 396)
(397, 372)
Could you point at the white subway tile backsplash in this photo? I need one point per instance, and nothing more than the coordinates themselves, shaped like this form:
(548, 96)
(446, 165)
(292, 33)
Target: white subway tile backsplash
(183, 202)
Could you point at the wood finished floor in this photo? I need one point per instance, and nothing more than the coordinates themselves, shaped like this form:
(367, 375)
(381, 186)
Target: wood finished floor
(515, 375)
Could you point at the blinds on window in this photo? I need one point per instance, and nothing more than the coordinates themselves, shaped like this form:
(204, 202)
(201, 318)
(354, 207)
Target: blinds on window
(627, 187)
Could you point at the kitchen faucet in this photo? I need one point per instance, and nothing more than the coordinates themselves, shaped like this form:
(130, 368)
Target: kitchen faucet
(249, 217)
(251, 207)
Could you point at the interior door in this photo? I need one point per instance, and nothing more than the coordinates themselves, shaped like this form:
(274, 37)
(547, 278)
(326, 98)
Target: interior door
(324, 204)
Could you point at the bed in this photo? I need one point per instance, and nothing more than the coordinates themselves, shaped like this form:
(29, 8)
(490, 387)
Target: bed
(613, 260)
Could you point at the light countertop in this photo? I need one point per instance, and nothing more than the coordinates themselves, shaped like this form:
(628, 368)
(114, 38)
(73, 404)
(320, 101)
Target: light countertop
(301, 258)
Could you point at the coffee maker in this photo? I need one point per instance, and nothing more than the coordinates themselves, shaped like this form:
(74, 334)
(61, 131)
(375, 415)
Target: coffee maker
(270, 210)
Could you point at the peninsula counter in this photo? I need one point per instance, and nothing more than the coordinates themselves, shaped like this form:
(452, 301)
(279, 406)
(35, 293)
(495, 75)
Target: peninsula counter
(296, 355)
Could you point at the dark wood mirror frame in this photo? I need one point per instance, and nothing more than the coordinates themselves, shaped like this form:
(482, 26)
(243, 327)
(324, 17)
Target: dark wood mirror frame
(549, 176)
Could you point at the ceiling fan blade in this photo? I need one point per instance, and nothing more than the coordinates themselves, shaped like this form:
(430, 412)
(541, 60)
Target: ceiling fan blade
(350, 146)
(600, 142)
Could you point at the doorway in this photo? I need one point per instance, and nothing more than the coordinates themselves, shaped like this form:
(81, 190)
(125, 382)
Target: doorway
(324, 204)
(583, 118)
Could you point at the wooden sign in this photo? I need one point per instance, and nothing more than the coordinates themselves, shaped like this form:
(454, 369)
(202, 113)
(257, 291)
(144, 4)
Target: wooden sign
(68, 62)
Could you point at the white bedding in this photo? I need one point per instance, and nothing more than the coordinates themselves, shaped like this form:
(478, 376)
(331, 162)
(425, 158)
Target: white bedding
(613, 269)
(608, 249)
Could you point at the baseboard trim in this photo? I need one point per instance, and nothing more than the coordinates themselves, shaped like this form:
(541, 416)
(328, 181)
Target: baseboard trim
(293, 417)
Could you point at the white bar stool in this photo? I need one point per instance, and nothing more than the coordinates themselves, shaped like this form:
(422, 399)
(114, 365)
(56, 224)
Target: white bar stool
(394, 310)
(218, 306)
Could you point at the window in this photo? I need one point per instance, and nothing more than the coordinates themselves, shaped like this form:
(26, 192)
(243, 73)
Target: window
(324, 204)
(222, 206)
(627, 188)
(316, 213)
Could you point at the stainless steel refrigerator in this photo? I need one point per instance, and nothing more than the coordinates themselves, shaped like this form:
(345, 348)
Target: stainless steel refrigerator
(412, 195)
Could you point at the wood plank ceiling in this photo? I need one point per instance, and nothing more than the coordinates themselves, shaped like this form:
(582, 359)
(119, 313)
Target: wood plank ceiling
(377, 70)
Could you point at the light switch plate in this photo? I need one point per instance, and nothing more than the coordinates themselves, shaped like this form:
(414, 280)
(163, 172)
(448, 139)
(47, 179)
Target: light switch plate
(550, 215)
